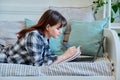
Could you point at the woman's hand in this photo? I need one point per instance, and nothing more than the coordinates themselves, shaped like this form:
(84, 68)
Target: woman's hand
(70, 52)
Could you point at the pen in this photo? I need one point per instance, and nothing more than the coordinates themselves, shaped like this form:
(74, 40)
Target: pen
(66, 46)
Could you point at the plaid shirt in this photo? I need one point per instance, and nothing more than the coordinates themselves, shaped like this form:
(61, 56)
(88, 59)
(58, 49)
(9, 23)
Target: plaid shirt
(33, 49)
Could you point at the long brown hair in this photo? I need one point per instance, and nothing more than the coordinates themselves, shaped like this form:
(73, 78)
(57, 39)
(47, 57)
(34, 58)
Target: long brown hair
(50, 17)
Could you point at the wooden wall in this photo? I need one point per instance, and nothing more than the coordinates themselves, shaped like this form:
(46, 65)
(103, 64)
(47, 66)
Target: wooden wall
(12, 10)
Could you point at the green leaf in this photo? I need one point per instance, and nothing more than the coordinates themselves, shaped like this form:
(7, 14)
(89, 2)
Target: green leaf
(119, 4)
(119, 34)
(115, 8)
(112, 19)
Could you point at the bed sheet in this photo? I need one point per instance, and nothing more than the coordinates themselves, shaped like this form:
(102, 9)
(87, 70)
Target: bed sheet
(100, 67)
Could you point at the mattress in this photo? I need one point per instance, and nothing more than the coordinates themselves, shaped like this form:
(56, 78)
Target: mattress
(100, 67)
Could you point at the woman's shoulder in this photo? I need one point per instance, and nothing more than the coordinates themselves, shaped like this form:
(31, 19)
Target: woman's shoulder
(35, 33)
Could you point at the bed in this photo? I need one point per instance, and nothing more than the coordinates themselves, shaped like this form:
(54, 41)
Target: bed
(106, 67)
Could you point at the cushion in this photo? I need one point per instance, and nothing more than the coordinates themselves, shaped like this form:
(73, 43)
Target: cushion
(8, 30)
(88, 35)
(55, 43)
(79, 13)
(29, 22)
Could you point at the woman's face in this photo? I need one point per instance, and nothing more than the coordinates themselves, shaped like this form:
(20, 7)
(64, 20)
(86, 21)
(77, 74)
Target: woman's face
(54, 31)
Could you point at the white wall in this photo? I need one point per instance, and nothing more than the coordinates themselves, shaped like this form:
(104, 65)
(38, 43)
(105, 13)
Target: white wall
(19, 9)
(12, 10)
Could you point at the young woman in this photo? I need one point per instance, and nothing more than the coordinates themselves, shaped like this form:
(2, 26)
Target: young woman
(32, 46)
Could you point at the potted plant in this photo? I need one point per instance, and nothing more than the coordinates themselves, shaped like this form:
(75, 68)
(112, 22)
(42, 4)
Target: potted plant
(115, 8)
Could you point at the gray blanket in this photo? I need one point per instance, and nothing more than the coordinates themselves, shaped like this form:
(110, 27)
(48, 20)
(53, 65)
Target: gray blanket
(101, 67)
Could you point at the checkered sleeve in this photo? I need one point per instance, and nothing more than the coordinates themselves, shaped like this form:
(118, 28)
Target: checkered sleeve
(34, 46)
(38, 49)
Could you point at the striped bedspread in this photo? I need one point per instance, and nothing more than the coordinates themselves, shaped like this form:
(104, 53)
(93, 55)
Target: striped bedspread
(101, 67)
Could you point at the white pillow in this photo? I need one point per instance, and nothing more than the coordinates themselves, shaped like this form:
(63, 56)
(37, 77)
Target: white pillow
(79, 13)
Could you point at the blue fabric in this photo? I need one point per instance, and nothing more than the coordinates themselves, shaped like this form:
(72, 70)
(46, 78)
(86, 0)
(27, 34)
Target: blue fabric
(29, 23)
(88, 35)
